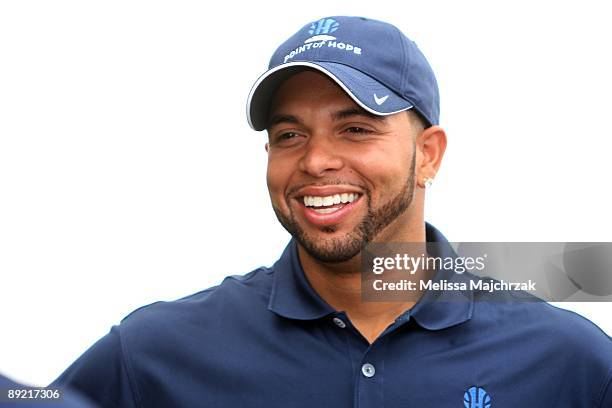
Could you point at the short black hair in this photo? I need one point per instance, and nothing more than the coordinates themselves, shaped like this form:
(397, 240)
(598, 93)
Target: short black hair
(418, 121)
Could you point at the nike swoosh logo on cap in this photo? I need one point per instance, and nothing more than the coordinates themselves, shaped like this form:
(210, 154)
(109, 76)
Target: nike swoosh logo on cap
(380, 101)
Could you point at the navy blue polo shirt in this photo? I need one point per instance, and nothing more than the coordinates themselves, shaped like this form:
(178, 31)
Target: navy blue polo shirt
(267, 339)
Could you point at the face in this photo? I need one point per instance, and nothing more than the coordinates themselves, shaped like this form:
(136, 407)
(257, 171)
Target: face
(338, 176)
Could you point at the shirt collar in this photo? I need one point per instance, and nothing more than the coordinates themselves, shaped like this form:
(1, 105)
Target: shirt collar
(293, 297)
(438, 310)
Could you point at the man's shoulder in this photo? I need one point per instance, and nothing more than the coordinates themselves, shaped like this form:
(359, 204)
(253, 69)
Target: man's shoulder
(157, 339)
(540, 323)
(235, 295)
(565, 323)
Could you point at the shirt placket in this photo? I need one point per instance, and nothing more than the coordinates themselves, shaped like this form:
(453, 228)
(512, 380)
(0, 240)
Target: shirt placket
(368, 361)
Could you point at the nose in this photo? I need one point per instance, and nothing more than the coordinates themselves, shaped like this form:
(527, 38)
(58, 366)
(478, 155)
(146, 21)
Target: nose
(320, 157)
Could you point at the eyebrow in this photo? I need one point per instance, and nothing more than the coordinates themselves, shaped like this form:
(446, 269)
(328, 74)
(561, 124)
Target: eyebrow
(336, 116)
(350, 112)
(283, 118)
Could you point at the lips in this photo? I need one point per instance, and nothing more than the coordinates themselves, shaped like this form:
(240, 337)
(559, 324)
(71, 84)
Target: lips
(325, 206)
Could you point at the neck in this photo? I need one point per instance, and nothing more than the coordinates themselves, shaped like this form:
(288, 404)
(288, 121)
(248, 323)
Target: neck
(339, 284)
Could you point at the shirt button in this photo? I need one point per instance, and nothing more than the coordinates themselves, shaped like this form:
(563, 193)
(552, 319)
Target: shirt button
(368, 370)
(339, 322)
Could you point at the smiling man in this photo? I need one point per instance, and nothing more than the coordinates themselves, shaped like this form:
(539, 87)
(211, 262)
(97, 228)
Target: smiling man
(350, 106)
(340, 177)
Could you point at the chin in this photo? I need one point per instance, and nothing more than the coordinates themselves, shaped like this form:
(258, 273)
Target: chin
(331, 247)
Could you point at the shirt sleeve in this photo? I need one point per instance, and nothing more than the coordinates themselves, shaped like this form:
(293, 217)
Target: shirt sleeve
(101, 374)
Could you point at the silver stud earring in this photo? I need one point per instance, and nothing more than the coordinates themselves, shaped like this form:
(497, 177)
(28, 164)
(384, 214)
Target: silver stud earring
(427, 181)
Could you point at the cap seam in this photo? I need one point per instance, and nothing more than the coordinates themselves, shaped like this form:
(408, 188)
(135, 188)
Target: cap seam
(404, 62)
(404, 75)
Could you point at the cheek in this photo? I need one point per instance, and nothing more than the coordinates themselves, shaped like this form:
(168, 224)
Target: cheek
(277, 176)
(384, 163)
(385, 168)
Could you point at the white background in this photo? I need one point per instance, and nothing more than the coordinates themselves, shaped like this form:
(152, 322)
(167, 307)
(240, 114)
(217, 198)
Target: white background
(128, 173)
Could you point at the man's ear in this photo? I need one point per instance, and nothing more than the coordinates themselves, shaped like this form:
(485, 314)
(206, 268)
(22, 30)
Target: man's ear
(431, 145)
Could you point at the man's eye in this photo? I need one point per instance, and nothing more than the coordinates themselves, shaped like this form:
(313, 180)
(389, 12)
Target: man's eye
(286, 139)
(356, 129)
(286, 136)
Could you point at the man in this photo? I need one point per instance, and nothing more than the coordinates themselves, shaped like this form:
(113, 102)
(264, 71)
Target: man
(351, 110)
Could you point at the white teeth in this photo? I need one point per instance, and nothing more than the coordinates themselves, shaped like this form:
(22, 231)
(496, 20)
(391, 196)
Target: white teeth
(317, 201)
(308, 201)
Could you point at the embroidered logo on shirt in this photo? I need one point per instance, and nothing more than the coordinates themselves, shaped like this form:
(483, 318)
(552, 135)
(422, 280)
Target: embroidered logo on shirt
(476, 397)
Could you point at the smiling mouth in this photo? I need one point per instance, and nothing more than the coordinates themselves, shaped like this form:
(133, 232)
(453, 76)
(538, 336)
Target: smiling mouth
(329, 204)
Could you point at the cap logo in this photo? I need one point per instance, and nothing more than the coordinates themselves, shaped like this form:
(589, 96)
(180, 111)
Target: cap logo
(381, 100)
(320, 30)
(320, 38)
(324, 26)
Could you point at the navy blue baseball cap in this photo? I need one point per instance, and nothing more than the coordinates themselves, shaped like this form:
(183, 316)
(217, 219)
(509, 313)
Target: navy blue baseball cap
(380, 68)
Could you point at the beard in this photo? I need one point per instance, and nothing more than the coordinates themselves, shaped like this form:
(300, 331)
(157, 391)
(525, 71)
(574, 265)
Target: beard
(341, 249)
